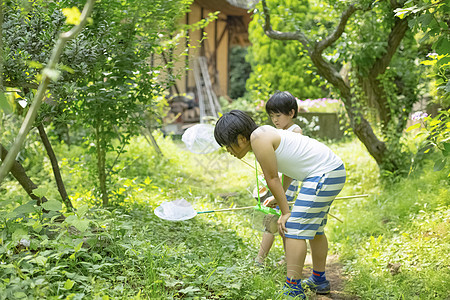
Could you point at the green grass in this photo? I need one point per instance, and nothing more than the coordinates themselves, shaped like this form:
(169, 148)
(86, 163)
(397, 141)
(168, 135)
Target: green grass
(406, 223)
(132, 254)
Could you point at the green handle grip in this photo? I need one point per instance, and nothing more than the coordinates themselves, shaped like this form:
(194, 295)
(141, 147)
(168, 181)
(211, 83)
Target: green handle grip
(267, 210)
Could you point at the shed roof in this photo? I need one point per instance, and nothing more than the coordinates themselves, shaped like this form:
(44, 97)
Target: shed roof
(228, 7)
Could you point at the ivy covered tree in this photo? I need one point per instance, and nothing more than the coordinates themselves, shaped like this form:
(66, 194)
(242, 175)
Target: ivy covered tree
(379, 57)
(283, 64)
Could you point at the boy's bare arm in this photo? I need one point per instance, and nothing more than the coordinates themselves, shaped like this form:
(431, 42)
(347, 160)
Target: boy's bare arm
(262, 146)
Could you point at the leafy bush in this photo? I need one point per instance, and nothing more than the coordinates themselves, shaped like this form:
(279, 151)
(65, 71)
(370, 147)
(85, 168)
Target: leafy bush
(239, 72)
(435, 134)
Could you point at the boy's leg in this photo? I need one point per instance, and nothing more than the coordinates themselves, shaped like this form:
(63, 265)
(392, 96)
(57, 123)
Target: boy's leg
(327, 189)
(266, 244)
(295, 257)
(319, 251)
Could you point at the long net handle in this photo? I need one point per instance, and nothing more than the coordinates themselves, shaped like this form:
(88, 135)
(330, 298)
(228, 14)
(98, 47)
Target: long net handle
(248, 207)
(225, 209)
(257, 182)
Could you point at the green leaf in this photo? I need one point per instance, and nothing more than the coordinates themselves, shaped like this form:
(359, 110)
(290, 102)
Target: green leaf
(401, 12)
(40, 260)
(78, 223)
(82, 210)
(4, 104)
(439, 164)
(444, 60)
(20, 295)
(428, 62)
(78, 247)
(20, 233)
(25, 208)
(66, 68)
(447, 147)
(189, 289)
(34, 64)
(52, 205)
(442, 45)
(415, 126)
(69, 284)
(435, 122)
(425, 38)
(425, 148)
(40, 191)
(425, 19)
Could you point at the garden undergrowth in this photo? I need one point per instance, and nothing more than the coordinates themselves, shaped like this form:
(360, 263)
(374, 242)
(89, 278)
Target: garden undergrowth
(393, 244)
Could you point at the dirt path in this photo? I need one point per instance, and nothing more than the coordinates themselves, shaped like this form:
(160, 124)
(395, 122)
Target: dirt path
(334, 275)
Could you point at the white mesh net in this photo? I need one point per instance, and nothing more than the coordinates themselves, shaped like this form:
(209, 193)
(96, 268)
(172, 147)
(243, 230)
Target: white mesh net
(200, 139)
(177, 210)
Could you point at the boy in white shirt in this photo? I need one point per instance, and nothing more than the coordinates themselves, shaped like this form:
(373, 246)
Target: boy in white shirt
(296, 157)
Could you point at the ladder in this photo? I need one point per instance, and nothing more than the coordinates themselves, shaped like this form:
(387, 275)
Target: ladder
(208, 103)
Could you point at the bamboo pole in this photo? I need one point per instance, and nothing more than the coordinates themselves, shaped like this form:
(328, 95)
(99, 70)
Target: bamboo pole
(343, 197)
(333, 216)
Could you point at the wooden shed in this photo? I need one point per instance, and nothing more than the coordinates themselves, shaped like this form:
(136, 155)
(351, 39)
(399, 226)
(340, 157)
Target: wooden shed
(229, 29)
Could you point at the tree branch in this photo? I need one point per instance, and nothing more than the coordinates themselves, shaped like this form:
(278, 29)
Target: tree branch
(51, 154)
(278, 35)
(18, 171)
(329, 40)
(1, 47)
(21, 84)
(34, 108)
(395, 37)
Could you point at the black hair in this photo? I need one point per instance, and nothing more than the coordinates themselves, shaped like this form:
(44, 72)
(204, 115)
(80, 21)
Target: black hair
(232, 124)
(282, 102)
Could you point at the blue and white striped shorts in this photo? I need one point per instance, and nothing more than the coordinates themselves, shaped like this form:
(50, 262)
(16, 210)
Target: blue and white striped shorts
(270, 221)
(310, 210)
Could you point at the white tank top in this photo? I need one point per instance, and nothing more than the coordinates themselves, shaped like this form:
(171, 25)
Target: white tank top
(293, 127)
(299, 156)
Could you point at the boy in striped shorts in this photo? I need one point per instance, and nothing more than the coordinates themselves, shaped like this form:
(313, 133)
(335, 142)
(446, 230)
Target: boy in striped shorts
(296, 157)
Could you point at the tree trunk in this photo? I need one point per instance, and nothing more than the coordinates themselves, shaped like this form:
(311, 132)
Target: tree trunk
(359, 124)
(101, 165)
(19, 174)
(152, 142)
(55, 167)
